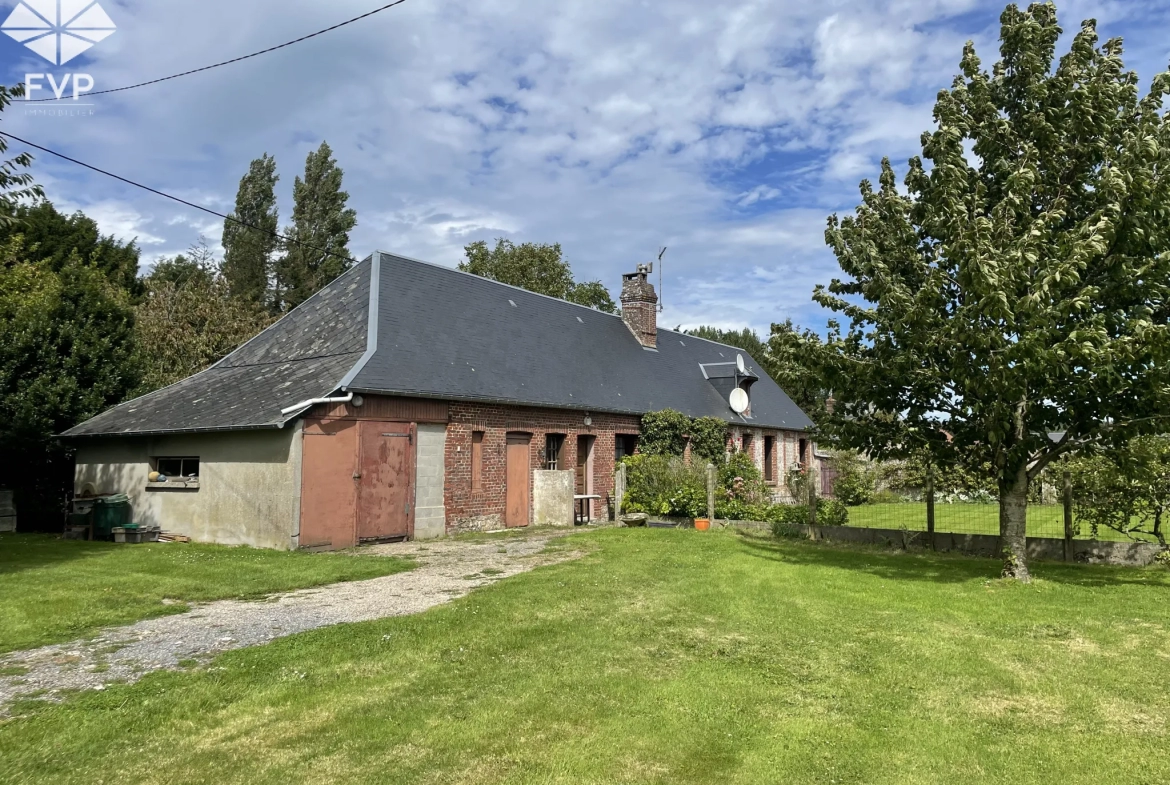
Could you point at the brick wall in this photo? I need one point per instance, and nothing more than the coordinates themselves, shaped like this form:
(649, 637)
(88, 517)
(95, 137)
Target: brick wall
(785, 455)
(640, 307)
(483, 510)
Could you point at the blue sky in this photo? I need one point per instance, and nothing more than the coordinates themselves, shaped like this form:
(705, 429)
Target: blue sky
(726, 131)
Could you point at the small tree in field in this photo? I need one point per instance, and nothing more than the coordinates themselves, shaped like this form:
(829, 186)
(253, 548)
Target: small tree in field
(1020, 285)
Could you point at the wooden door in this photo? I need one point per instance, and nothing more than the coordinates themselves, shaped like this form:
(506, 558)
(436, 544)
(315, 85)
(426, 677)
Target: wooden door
(516, 514)
(386, 483)
(328, 488)
(584, 465)
(585, 472)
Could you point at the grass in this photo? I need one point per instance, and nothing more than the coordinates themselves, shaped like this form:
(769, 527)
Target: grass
(1044, 520)
(53, 590)
(667, 657)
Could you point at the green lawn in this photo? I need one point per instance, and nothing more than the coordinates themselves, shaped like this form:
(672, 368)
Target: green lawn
(1044, 520)
(668, 656)
(54, 590)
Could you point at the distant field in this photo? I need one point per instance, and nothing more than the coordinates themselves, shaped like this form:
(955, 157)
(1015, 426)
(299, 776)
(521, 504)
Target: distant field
(1045, 520)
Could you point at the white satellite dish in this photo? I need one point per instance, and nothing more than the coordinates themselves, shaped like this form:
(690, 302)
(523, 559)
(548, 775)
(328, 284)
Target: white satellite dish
(740, 364)
(740, 402)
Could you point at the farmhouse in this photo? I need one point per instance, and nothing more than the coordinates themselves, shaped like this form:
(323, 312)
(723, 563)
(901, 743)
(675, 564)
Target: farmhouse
(410, 400)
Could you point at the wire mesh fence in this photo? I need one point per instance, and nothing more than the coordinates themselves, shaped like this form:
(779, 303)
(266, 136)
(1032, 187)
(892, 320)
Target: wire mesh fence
(957, 516)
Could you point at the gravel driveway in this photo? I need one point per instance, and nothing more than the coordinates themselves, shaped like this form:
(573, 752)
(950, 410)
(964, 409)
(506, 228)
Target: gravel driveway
(447, 569)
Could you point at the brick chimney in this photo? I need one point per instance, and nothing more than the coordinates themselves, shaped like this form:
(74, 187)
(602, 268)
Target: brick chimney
(640, 307)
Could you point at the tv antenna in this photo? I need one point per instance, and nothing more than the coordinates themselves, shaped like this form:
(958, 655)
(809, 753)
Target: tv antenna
(661, 303)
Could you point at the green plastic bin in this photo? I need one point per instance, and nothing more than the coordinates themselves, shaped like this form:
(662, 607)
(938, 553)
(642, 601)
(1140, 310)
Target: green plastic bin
(110, 512)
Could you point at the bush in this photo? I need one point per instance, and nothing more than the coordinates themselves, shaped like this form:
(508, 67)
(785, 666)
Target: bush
(664, 433)
(887, 497)
(856, 480)
(741, 494)
(664, 485)
(909, 475)
(784, 530)
(785, 518)
(797, 483)
(709, 439)
(667, 432)
(832, 512)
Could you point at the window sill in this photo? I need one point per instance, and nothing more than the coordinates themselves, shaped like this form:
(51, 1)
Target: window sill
(173, 485)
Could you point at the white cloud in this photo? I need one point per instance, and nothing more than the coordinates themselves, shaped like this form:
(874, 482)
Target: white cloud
(613, 128)
(761, 193)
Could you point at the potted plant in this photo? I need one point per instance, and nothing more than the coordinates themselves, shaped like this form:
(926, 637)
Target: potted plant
(702, 524)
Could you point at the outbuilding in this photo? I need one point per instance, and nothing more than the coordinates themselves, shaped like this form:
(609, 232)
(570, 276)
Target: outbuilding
(411, 400)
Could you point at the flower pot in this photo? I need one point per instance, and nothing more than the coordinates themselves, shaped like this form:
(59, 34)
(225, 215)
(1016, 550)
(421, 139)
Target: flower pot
(702, 524)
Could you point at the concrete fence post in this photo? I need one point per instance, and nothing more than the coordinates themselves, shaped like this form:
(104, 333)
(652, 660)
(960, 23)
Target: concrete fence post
(1068, 516)
(711, 478)
(930, 504)
(619, 491)
(812, 500)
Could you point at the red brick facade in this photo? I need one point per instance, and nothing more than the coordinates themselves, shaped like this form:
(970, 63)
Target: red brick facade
(483, 509)
(785, 454)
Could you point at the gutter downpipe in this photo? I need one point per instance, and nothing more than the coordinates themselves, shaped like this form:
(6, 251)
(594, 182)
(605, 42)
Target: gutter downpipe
(314, 402)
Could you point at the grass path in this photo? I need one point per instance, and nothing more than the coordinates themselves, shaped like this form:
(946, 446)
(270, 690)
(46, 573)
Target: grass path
(54, 590)
(667, 657)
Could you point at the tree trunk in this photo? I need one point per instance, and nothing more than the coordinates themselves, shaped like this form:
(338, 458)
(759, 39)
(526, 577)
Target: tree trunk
(1013, 525)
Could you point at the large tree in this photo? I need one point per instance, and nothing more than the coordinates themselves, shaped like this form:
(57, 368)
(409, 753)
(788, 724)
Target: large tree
(66, 353)
(250, 233)
(16, 184)
(57, 238)
(318, 247)
(1020, 285)
(189, 319)
(536, 267)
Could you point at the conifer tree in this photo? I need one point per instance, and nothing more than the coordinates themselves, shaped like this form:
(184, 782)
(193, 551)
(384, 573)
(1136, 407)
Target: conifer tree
(249, 235)
(318, 247)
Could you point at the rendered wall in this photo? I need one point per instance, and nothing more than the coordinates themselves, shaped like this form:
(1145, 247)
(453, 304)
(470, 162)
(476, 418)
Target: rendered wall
(552, 498)
(430, 515)
(249, 484)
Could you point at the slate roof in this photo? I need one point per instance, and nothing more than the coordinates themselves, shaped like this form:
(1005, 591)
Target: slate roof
(440, 333)
(302, 356)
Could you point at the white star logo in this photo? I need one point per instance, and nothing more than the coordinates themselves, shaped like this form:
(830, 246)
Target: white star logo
(59, 30)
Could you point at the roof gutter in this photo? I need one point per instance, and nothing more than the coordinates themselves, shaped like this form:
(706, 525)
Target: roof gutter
(309, 404)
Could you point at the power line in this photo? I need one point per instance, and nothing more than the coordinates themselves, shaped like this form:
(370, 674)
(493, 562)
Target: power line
(184, 202)
(386, 7)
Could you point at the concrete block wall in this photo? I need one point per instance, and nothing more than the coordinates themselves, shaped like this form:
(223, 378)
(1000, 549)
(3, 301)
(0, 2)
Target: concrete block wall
(552, 497)
(249, 484)
(483, 509)
(430, 512)
(1129, 554)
